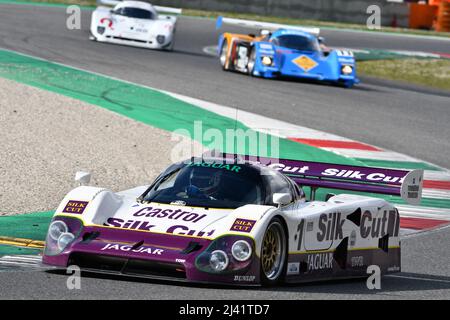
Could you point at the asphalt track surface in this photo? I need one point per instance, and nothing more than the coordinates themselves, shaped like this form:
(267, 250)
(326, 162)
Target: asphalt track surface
(396, 118)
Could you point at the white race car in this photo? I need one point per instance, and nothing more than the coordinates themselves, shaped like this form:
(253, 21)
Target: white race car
(134, 23)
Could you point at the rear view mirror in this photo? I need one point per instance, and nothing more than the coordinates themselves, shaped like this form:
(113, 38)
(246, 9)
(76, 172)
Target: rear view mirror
(83, 177)
(281, 198)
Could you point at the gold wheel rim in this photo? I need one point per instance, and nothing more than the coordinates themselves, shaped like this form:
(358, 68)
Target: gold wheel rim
(272, 253)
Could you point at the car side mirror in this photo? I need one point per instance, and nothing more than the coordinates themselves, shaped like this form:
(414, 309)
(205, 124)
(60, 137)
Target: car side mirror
(264, 32)
(329, 196)
(83, 177)
(321, 39)
(281, 198)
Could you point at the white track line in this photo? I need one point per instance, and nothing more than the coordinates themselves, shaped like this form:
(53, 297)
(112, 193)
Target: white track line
(417, 278)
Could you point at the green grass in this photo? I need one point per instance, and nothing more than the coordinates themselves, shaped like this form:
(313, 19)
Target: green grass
(283, 20)
(433, 73)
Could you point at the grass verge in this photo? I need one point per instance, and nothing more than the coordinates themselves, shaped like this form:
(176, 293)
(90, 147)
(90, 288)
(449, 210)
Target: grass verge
(434, 73)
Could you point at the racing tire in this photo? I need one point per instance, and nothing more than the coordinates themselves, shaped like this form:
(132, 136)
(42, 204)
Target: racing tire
(274, 253)
(223, 55)
(251, 62)
(347, 84)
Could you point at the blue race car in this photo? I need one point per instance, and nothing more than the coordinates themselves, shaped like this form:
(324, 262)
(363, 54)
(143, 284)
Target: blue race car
(284, 51)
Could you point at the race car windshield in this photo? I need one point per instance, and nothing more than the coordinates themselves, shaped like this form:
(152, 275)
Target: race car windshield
(211, 185)
(135, 13)
(296, 42)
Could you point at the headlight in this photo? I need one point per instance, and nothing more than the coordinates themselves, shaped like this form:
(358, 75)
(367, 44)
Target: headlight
(241, 250)
(56, 229)
(226, 255)
(347, 69)
(62, 232)
(267, 61)
(64, 240)
(218, 260)
(161, 39)
(101, 30)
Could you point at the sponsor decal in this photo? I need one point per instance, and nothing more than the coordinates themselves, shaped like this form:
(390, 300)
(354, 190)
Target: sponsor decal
(320, 261)
(267, 52)
(344, 53)
(339, 173)
(413, 191)
(183, 230)
(147, 226)
(352, 238)
(244, 278)
(330, 227)
(305, 63)
(75, 207)
(372, 225)
(110, 22)
(178, 203)
(242, 225)
(293, 268)
(172, 214)
(265, 46)
(215, 165)
(349, 61)
(393, 269)
(288, 169)
(357, 261)
(180, 260)
(128, 248)
(352, 174)
(378, 227)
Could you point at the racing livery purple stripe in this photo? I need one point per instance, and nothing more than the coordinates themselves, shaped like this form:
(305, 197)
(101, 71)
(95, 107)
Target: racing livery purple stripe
(335, 176)
(329, 170)
(118, 242)
(133, 248)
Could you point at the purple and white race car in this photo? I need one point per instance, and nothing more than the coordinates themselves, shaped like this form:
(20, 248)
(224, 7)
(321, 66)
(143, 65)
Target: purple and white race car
(235, 220)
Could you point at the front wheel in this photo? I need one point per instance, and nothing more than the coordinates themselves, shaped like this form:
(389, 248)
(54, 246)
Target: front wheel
(347, 84)
(274, 253)
(172, 43)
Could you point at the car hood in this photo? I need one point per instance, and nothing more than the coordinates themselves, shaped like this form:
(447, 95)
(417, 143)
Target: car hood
(106, 209)
(166, 218)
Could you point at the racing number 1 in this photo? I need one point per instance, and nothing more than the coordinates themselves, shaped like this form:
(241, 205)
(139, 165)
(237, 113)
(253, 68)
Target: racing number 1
(300, 229)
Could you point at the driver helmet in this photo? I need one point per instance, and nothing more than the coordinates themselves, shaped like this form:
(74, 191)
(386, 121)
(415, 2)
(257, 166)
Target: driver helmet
(204, 180)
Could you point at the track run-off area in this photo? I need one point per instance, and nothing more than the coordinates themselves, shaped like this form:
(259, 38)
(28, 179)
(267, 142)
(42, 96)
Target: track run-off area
(371, 125)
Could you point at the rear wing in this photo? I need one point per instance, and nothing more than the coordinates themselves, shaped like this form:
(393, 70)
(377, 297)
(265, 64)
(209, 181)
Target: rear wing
(264, 25)
(159, 9)
(169, 10)
(404, 183)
